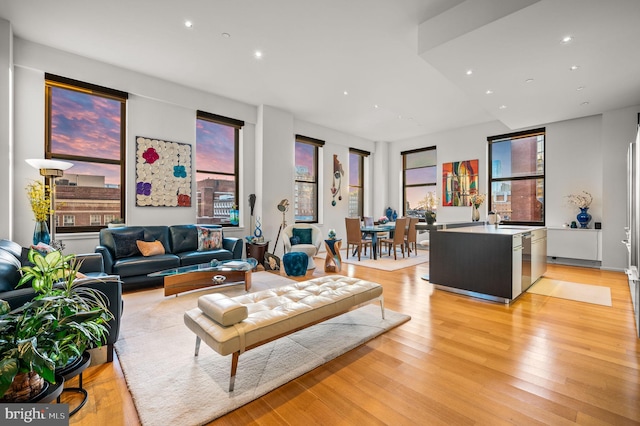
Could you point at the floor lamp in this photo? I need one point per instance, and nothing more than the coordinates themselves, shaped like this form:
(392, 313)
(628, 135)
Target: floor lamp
(50, 169)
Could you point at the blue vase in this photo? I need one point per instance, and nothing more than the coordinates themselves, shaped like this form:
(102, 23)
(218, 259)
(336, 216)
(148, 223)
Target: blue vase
(41, 233)
(584, 218)
(389, 213)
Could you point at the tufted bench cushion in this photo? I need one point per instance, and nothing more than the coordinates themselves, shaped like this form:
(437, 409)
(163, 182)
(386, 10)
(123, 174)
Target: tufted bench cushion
(220, 322)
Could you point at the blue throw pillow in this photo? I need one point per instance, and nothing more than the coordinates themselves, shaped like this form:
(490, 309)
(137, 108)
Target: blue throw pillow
(304, 234)
(294, 240)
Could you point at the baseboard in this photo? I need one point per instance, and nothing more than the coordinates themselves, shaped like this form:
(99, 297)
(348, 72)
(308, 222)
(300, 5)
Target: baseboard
(575, 262)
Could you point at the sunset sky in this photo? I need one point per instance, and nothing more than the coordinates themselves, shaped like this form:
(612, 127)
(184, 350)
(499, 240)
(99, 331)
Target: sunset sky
(215, 150)
(89, 126)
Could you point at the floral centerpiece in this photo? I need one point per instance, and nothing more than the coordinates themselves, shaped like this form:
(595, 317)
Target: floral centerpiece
(583, 202)
(430, 204)
(40, 203)
(41, 207)
(477, 199)
(383, 220)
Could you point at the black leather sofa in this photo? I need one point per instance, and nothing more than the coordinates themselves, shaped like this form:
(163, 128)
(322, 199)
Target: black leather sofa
(180, 244)
(11, 255)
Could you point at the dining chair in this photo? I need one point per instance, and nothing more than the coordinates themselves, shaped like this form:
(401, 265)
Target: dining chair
(411, 239)
(354, 236)
(397, 239)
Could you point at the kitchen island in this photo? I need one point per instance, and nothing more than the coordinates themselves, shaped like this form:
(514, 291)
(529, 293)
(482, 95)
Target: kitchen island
(495, 263)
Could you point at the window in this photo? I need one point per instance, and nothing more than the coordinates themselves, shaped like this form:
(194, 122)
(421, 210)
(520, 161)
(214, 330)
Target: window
(95, 220)
(418, 178)
(217, 146)
(356, 182)
(306, 184)
(85, 126)
(516, 164)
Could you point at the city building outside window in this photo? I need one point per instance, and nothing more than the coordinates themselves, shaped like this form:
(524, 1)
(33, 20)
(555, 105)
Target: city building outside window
(85, 125)
(419, 169)
(217, 168)
(517, 178)
(306, 180)
(95, 220)
(356, 182)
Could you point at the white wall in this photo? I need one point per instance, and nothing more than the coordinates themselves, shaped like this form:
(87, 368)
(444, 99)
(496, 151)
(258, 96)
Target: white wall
(6, 104)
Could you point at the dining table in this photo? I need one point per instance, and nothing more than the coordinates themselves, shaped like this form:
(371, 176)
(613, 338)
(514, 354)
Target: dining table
(373, 231)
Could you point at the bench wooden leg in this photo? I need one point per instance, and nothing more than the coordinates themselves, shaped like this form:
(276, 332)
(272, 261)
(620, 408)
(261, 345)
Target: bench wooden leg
(197, 345)
(234, 368)
(382, 306)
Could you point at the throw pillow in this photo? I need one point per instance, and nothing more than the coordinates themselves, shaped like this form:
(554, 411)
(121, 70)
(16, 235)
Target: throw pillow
(294, 240)
(125, 243)
(150, 248)
(304, 234)
(209, 239)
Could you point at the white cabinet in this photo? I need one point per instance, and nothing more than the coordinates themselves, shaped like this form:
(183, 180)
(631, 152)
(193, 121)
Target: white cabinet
(538, 254)
(574, 243)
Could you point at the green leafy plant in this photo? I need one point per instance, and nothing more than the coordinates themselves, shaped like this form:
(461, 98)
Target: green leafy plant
(57, 326)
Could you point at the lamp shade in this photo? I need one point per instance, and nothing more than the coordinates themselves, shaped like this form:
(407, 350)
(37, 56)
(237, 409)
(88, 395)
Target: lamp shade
(49, 167)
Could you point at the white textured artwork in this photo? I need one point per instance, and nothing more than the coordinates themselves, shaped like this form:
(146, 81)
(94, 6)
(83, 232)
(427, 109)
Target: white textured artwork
(163, 173)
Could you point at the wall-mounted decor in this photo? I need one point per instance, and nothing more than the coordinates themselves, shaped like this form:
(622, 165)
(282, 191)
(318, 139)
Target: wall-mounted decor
(338, 172)
(459, 182)
(163, 173)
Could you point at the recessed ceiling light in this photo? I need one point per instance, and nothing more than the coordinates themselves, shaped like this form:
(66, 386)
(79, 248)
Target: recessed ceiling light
(469, 72)
(226, 35)
(345, 93)
(488, 92)
(529, 80)
(585, 103)
(188, 24)
(573, 67)
(376, 106)
(399, 117)
(567, 39)
(580, 88)
(502, 107)
(258, 54)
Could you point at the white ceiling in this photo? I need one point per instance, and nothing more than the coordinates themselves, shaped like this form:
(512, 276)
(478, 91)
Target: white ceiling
(315, 50)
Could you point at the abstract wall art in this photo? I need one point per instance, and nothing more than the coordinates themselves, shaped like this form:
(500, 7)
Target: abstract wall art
(459, 182)
(163, 173)
(338, 172)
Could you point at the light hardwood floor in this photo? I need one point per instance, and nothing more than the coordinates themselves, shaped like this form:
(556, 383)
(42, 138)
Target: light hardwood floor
(460, 360)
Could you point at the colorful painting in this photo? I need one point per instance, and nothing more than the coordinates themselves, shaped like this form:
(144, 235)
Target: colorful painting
(163, 173)
(459, 182)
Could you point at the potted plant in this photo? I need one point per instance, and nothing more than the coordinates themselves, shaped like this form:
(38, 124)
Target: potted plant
(430, 205)
(116, 223)
(56, 327)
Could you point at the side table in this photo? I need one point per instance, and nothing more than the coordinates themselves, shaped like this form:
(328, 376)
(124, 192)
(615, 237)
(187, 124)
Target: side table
(333, 262)
(257, 251)
(75, 369)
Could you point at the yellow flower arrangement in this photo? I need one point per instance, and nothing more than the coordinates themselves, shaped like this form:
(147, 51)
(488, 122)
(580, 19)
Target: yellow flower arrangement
(431, 201)
(40, 202)
(477, 199)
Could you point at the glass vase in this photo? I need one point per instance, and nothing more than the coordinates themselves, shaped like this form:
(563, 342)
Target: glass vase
(41, 233)
(475, 213)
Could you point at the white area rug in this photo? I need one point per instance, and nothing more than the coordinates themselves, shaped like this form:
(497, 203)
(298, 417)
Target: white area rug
(595, 294)
(172, 387)
(386, 262)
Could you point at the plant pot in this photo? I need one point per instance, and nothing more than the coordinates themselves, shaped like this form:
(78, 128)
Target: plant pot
(430, 217)
(25, 387)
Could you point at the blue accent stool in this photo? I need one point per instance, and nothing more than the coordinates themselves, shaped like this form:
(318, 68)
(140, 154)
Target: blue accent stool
(295, 263)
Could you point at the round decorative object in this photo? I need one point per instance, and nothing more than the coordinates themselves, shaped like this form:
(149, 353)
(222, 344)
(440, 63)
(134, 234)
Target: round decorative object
(584, 218)
(258, 231)
(218, 279)
(430, 217)
(41, 233)
(475, 213)
(333, 203)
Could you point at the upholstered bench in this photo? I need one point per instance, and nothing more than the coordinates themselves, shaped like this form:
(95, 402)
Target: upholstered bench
(232, 325)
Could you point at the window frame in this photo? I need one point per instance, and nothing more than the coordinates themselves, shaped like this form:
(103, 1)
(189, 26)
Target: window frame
(317, 144)
(361, 156)
(520, 135)
(404, 174)
(56, 81)
(237, 125)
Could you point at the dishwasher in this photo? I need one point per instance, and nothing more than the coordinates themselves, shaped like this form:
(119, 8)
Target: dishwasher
(526, 261)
